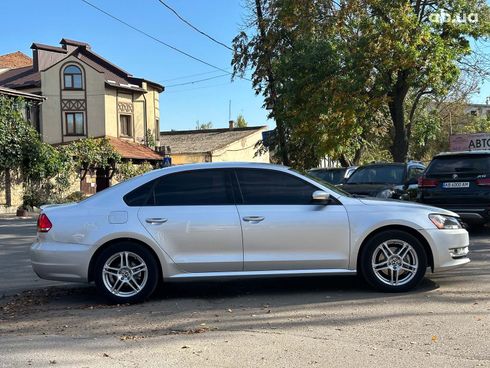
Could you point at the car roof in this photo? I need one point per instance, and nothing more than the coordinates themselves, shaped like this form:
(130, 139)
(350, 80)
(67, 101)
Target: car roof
(330, 168)
(384, 164)
(218, 165)
(457, 153)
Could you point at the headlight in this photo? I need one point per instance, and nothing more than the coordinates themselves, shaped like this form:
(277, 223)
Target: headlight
(387, 193)
(445, 222)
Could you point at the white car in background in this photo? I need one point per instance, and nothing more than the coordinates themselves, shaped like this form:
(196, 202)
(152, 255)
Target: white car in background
(240, 220)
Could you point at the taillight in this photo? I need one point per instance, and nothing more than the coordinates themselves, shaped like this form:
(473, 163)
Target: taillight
(483, 182)
(43, 224)
(428, 183)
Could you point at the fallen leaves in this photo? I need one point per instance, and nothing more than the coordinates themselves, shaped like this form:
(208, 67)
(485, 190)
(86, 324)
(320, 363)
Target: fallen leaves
(131, 337)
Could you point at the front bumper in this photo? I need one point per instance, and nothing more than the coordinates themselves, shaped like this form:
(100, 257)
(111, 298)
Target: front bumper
(442, 242)
(61, 261)
(471, 214)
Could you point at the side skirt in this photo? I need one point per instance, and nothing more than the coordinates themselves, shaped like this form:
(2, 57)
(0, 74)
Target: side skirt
(259, 274)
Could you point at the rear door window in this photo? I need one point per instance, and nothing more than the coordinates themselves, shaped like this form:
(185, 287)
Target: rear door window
(188, 188)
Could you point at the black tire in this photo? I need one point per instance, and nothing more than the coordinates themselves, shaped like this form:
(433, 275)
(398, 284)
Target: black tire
(377, 279)
(148, 280)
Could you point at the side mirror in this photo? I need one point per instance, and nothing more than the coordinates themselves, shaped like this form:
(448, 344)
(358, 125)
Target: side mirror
(320, 197)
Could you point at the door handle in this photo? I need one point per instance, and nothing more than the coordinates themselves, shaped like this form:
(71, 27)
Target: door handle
(156, 220)
(253, 218)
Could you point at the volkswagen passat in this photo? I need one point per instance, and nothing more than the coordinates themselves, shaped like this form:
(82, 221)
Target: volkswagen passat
(240, 220)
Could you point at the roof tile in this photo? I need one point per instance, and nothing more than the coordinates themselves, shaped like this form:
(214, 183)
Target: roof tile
(133, 150)
(207, 140)
(15, 60)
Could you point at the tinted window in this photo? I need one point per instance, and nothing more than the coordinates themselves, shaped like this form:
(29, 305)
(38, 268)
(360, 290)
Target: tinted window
(467, 164)
(194, 188)
(273, 187)
(139, 196)
(389, 174)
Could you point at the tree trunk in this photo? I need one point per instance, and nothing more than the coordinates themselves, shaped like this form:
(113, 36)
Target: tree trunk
(344, 161)
(357, 156)
(8, 188)
(281, 131)
(399, 148)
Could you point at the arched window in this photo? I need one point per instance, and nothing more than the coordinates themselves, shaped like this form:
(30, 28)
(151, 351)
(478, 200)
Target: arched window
(72, 76)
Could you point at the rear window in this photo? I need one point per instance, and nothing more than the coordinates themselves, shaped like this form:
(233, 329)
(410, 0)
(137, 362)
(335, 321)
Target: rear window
(467, 164)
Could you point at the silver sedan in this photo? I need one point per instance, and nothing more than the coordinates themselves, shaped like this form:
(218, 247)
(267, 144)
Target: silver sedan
(240, 220)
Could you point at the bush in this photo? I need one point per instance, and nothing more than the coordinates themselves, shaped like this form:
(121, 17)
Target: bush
(75, 197)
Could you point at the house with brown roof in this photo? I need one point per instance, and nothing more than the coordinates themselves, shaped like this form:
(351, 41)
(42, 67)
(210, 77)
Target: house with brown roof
(86, 95)
(215, 145)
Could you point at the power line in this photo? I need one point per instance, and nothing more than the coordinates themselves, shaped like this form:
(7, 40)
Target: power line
(188, 76)
(195, 88)
(197, 81)
(194, 27)
(156, 39)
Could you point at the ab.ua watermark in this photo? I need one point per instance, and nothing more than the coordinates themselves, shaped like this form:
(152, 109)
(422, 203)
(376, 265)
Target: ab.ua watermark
(445, 17)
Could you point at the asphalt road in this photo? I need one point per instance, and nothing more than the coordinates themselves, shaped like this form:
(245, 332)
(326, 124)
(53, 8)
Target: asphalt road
(297, 322)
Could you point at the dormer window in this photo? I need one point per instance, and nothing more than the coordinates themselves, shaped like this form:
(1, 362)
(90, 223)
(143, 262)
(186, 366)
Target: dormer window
(72, 76)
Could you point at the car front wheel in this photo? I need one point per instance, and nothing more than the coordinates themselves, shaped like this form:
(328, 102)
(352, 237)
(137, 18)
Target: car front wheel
(393, 261)
(126, 273)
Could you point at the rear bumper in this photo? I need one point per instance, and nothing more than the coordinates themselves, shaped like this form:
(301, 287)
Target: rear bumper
(61, 261)
(442, 243)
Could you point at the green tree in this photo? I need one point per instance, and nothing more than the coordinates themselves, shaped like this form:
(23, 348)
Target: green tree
(127, 169)
(241, 122)
(46, 172)
(204, 126)
(15, 135)
(330, 71)
(92, 153)
(150, 139)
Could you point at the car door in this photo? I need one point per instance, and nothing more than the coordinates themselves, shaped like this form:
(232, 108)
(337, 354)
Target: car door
(283, 229)
(193, 217)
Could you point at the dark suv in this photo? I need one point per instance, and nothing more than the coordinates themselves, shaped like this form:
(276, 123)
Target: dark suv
(385, 180)
(460, 182)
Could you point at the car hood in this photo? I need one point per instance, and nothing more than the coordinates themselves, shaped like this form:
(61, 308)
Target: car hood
(371, 190)
(404, 205)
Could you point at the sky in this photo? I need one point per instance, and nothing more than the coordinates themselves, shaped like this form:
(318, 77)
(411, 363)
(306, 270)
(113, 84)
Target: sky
(49, 21)
(182, 106)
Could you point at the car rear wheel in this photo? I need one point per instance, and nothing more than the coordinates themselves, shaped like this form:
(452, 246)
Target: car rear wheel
(393, 261)
(126, 273)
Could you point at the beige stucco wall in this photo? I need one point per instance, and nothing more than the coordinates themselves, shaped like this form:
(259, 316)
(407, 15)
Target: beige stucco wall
(189, 158)
(52, 118)
(243, 150)
(149, 99)
(110, 105)
(102, 114)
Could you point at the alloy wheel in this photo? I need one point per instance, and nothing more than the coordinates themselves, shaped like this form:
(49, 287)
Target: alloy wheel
(395, 262)
(125, 274)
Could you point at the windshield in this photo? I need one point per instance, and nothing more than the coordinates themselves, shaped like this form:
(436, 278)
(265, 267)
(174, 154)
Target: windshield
(333, 188)
(334, 176)
(387, 174)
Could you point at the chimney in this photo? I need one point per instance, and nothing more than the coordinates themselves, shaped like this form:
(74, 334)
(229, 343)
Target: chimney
(231, 124)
